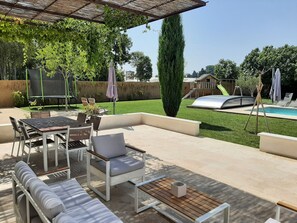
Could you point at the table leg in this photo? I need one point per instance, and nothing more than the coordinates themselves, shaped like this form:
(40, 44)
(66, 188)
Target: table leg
(222, 208)
(45, 166)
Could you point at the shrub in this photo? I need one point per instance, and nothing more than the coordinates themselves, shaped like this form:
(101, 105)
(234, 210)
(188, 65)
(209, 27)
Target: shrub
(18, 99)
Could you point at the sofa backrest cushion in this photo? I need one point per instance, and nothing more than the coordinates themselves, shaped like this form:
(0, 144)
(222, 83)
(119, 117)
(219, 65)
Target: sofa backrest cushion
(24, 173)
(110, 146)
(49, 203)
(64, 218)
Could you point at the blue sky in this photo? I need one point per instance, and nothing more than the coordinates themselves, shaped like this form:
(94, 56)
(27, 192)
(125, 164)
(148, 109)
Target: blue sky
(227, 29)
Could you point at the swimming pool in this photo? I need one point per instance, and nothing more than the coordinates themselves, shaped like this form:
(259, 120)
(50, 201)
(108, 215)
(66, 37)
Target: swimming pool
(280, 111)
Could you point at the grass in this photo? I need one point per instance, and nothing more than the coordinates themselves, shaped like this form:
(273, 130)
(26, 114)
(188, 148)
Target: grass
(217, 125)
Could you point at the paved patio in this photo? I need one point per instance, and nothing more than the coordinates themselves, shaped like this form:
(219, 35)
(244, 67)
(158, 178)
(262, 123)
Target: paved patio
(249, 180)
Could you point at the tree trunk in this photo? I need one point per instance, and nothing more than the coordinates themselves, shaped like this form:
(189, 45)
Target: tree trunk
(66, 94)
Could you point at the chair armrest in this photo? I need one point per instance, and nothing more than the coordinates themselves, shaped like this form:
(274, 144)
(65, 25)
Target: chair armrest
(135, 148)
(98, 155)
(286, 205)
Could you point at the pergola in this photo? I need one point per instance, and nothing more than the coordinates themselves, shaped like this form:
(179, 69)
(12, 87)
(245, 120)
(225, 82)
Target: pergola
(93, 10)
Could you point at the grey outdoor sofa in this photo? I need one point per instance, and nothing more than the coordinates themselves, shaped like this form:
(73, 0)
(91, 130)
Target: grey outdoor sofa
(60, 202)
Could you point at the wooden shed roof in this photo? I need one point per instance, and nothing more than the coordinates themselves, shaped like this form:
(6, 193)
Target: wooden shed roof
(93, 10)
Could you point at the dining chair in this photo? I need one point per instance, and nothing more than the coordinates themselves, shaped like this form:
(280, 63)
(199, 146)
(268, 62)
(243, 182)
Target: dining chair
(84, 101)
(40, 114)
(17, 134)
(95, 120)
(81, 117)
(92, 101)
(31, 140)
(77, 139)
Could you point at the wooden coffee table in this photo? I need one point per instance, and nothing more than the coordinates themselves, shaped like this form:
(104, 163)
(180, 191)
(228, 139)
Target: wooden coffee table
(195, 206)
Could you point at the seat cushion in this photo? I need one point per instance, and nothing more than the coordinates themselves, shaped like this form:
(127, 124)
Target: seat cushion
(119, 165)
(92, 212)
(64, 218)
(49, 203)
(24, 173)
(110, 146)
(70, 192)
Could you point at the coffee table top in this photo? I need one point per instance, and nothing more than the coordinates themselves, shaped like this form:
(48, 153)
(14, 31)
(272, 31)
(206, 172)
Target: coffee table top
(193, 205)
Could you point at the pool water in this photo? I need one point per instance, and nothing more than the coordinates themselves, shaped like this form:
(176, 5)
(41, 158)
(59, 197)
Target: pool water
(280, 111)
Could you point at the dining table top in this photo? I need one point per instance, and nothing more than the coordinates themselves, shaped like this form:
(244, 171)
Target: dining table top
(50, 124)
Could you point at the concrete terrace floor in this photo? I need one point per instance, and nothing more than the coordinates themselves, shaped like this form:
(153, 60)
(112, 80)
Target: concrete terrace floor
(249, 180)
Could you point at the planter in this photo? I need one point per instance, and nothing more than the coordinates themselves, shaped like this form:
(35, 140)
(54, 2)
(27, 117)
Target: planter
(178, 189)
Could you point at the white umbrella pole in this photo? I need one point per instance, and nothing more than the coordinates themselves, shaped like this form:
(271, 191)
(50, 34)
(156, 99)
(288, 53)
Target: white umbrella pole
(114, 100)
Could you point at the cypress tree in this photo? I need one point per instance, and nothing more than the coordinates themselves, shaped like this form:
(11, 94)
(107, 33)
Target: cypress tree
(171, 64)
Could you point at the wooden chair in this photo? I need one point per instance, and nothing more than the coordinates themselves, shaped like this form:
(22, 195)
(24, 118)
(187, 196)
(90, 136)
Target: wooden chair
(77, 139)
(92, 101)
(111, 163)
(40, 114)
(84, 102)
(95, 120)
(81, 117)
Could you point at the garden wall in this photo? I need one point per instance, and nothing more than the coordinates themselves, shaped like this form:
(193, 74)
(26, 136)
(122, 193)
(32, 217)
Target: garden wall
(126, 90)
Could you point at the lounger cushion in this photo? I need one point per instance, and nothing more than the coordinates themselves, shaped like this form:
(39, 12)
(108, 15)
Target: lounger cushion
(49, 203)
(110, 145)
(119, 165)
(64, 218)
(24, 173)
(70, 192)
(93, 212)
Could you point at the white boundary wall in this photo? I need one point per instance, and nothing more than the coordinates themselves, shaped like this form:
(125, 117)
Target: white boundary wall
(278, 144)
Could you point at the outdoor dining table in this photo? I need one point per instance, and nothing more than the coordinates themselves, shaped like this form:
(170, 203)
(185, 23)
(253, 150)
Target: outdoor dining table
(50, 126)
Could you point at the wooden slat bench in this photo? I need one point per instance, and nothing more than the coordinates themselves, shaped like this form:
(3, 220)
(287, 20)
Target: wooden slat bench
(195, 205)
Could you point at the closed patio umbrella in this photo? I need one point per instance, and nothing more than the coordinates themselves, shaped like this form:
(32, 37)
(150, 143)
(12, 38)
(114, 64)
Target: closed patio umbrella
(275, 90)
(112, 91)
(277, 86)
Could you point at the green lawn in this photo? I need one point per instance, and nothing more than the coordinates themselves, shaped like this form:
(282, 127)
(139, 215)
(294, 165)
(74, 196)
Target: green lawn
(217, 125)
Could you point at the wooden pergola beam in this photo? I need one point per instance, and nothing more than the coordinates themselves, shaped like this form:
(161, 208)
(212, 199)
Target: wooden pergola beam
(12, 5)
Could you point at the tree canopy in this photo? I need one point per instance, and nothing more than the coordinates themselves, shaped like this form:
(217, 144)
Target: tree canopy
(284, 58)
(226, 69)
(102, 43)
(144, 70)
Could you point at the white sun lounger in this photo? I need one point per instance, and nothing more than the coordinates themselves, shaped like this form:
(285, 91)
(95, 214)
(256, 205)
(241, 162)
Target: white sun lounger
(287, 99)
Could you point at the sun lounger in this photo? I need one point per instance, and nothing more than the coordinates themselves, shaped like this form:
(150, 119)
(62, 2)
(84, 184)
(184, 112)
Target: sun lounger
(293, 104)
(287, 99)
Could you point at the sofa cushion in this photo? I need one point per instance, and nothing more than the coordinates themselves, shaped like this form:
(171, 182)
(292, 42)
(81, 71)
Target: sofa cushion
(24, 173)
(64, 218)
(92, 212)
(70, 192)
(49, 203)
(119, 165)
(110, 145)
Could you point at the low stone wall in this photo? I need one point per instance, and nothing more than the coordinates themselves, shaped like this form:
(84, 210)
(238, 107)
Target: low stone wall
(173, 124)
(278, 144)
(6, 134)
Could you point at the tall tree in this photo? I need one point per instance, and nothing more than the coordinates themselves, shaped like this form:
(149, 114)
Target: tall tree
(144, 70)
(171, 64)
(226, 69)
